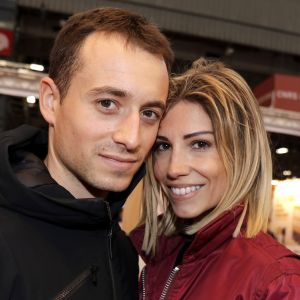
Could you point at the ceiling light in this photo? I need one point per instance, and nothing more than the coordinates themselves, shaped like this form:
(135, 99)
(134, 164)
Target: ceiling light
(36, 67)
(287, 172)
(282, 150)
(31, 99)
(229, 51)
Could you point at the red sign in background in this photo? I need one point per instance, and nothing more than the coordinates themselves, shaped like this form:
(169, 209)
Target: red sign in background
(279, 91)
(6, 42)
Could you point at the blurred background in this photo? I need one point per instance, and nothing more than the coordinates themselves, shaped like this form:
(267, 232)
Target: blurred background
(260, 39)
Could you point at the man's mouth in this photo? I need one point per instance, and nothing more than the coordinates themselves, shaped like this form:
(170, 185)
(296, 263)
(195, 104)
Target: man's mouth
(121, 159)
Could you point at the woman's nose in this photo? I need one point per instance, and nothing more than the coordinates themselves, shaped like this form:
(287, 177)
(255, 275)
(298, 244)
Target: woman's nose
(178, 164)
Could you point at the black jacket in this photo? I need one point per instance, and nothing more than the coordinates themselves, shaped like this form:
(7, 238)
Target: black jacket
(52, 245)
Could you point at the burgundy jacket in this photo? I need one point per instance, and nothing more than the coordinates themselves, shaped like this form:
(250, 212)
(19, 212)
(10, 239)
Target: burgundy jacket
(218, 267)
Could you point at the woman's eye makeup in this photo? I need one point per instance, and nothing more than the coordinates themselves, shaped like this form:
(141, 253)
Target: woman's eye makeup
(161, 146)
(198, 143)
(201, 144)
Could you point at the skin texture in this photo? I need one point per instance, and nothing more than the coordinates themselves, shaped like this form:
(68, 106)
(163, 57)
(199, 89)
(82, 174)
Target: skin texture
(187, 161)
(101, 132)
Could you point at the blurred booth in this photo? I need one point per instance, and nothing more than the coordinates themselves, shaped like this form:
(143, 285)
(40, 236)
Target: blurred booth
(19, 85)
(279, 97)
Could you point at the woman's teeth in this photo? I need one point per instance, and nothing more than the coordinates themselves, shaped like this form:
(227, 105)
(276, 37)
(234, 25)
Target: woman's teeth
(186, 190)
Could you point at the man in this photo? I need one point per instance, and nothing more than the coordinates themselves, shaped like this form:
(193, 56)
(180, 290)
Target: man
(59, 203)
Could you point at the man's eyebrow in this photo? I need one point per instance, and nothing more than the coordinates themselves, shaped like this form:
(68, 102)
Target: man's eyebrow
(187, 136)
(108, 90)
(155, 103)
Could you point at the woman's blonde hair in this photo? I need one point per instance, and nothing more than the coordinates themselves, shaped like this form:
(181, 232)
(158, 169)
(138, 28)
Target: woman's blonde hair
(242, 144)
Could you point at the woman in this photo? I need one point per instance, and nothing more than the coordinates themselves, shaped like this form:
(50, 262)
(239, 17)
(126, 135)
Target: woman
(211, 170)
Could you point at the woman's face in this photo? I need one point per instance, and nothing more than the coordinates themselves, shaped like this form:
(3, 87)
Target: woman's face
(187, 161)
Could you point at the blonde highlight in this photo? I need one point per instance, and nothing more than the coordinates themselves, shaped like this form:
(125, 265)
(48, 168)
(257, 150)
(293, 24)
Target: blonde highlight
(242, 144)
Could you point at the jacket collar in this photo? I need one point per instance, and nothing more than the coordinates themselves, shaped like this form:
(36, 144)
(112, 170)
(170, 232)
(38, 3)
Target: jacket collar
(214, 234)
(206, 240)
(27, 187)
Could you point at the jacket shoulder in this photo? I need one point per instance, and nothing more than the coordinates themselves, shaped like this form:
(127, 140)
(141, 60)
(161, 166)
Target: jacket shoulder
(282, 269)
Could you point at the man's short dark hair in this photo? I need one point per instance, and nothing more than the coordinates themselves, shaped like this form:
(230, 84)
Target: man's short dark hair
(64, 57)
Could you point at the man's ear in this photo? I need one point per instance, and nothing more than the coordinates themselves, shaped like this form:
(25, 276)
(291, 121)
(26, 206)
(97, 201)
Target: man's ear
(49, 99)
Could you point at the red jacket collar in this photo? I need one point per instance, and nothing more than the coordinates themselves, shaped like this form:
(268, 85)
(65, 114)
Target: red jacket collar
(207, 239)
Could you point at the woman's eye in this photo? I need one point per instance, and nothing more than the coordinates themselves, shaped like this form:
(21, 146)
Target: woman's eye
(161, 147)
(201, 144)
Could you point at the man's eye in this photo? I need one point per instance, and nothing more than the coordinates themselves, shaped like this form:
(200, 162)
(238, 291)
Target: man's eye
(150, 114)
(107, 103)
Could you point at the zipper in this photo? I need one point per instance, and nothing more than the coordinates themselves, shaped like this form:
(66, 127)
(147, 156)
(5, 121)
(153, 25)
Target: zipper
(91, 273)
(110, 255)
(166, 287)
(79, 281)
(169, 283)
(143, 276)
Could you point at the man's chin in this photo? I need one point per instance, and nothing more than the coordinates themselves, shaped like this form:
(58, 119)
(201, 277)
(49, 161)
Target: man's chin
(116, 185)
(119, 188)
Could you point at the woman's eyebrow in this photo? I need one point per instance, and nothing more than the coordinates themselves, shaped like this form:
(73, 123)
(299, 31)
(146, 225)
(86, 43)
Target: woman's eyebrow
(189, 135)
(160, 137)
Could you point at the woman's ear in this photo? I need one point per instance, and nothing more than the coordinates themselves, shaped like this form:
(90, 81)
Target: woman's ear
(49, 99)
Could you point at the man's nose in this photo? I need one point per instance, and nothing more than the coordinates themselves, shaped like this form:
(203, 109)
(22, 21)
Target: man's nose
(128, 133)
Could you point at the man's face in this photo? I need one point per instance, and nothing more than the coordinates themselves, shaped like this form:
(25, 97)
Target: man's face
(108, 121)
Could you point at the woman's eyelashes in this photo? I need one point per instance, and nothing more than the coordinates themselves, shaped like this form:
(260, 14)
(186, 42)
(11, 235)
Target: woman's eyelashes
(201, 144)
(161, 146)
